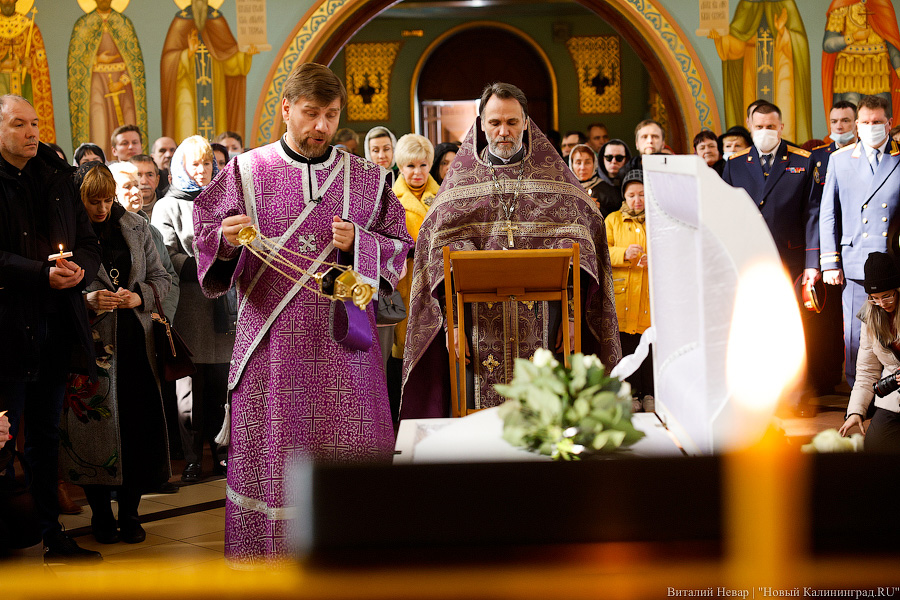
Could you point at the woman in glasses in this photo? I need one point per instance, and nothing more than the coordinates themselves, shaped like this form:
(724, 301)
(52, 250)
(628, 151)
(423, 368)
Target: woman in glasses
(613, 157)
(879, 348)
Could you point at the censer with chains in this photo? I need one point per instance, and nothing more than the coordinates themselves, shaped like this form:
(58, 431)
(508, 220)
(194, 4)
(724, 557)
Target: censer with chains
(339, 282)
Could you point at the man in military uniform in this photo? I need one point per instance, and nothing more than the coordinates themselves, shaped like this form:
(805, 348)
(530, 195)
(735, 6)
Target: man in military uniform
(860, 212)
(828, 325)
(778, 178)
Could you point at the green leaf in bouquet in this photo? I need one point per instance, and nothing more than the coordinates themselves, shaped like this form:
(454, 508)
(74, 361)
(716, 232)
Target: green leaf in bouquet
(525, 371)
(545, 404)
(578, 374)
(581, 407)
(550, 384)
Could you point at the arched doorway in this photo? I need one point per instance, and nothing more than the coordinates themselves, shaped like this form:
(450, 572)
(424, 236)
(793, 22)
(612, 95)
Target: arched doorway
(646, 26)
(464, 60)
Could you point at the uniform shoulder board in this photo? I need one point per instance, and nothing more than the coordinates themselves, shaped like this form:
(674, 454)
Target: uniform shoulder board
(820, 147)
(895, 148)
(800, 151)
(741, 153)
(845, 148)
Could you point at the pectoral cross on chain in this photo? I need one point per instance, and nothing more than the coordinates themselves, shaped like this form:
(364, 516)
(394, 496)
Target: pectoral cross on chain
(509, 228)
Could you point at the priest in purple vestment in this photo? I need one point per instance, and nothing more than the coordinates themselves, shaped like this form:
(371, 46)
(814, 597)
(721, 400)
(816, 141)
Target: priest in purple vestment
(296, 392)
(507, 188)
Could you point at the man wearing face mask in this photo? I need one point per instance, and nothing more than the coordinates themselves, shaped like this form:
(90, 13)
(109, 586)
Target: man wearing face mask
(778, 178)
(828, 324)
(860, 212)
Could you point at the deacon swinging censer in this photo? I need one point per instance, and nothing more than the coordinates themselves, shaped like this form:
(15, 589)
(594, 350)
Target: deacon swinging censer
(339, 282)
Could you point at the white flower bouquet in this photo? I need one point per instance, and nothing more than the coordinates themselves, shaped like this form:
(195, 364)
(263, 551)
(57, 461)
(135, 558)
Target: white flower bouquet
(566, 412)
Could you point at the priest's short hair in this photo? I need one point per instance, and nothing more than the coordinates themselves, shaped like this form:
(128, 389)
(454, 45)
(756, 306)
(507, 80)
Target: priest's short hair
(315, 82)
(503, 91)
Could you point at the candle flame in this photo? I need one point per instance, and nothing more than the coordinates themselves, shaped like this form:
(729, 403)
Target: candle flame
(766, 349)
(60, 248)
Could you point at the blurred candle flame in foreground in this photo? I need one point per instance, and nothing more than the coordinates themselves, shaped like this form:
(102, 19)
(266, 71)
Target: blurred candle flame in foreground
(766, 349)
(765, 480)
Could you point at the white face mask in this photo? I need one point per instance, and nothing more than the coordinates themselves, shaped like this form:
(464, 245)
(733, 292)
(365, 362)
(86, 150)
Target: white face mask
(727, 155)
(872, 135)
(765, 140)
(842, 139)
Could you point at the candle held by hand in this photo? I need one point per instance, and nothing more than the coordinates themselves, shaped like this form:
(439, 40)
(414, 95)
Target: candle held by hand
(62, 254)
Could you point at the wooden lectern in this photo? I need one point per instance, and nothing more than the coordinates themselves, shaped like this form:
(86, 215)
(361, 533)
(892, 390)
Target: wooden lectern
(501, 276)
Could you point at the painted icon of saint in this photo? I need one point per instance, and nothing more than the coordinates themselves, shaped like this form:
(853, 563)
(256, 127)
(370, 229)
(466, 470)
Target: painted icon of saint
(23, 61)
(765, 54)
(203, 73)
(861, 52)
(107, 86)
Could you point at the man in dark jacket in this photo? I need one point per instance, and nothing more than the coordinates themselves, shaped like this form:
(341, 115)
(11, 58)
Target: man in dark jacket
(42, 314)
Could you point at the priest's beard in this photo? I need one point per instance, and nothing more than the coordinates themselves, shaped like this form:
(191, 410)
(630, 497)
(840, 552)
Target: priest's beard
(504, 152)
(307, 149)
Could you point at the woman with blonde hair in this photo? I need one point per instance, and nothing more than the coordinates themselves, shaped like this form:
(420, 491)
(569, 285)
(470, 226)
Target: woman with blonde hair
(879, 347)
(113, 430)
(201, 397)
(416, 190)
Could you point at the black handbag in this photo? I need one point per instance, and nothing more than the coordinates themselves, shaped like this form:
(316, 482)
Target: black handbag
(172, 354)
(391, 309)
(225, 312)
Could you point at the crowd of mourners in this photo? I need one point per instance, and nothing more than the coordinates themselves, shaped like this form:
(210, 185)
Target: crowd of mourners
(140, 205)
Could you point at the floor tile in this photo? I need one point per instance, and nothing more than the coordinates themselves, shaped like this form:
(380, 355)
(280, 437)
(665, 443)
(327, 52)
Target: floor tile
(157, 557)
(70, 522)
(216, 512)
(88, 542)
(192, 494)
(211, 541)
(178, 528)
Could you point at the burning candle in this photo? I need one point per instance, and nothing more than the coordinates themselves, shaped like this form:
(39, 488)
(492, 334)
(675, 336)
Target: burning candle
(62, 254)
(764, 477)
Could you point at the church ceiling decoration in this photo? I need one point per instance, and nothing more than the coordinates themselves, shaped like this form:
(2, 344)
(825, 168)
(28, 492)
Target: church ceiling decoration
(368, 75)
(598, 65)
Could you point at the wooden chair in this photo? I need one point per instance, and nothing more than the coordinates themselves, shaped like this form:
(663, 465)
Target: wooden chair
(501, 276)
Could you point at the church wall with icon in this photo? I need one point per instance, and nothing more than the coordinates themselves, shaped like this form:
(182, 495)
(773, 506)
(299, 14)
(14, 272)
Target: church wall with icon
(151, 20)
(628, 81)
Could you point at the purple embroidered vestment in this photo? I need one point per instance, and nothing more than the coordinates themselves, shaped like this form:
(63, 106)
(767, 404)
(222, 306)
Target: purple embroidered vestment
(552, 210)
(295, 391)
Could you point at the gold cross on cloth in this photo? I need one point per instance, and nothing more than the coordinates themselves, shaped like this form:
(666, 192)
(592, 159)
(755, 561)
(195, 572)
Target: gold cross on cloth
(509, 228)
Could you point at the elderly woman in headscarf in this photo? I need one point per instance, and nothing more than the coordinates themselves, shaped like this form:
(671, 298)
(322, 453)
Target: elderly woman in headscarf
(379, 146)
(583, 162)
(626, 236)
(114, 430)
(201, 397)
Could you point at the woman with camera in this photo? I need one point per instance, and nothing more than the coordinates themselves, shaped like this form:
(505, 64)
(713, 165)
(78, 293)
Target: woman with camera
(879, 358)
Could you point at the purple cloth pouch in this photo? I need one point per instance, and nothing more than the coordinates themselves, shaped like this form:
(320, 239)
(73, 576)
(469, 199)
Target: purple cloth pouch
(350, 326)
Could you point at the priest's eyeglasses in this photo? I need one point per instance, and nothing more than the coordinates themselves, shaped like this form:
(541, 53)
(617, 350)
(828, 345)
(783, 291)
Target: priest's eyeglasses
(884, 299)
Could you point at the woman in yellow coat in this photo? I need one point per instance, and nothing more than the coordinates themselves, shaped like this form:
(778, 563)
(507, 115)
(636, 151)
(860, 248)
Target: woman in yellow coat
(626, 236)
(416, 189)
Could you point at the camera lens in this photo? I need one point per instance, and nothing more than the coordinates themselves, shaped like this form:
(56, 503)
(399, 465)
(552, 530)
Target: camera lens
(886, 385)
